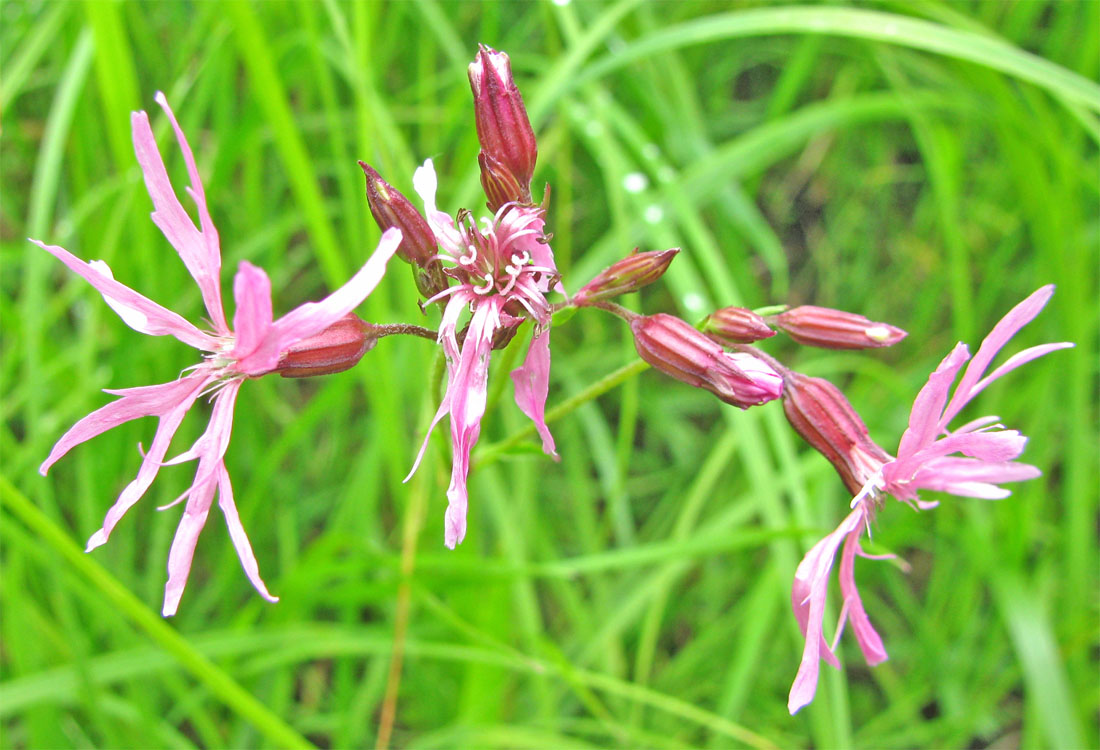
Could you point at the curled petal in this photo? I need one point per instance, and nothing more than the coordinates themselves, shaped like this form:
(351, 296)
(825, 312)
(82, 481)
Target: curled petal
(532, 383)
(540, 251)
(808, 595)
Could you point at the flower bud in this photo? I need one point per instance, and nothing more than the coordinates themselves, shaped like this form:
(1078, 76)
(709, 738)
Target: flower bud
(335, 349)
(675, 348)
(835, 329)
(500, 184)
(737, 325)
(418, 246)
(628, 275)
(821, 414)
(507, 140)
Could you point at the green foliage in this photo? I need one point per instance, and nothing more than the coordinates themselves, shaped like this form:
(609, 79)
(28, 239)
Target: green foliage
(924, 164)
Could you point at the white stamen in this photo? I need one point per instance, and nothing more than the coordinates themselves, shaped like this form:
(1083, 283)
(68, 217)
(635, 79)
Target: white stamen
(466, 260)
(869, 489)
(488, 285)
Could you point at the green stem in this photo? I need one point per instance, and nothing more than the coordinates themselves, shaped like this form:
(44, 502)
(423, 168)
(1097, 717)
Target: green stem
(492, 452)
(205, 671)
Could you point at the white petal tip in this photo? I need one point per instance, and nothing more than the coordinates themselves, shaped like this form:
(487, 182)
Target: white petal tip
(95, 541)
(160, 99)
(171, 603)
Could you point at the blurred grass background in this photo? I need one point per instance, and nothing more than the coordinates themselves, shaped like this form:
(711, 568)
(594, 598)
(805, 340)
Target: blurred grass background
(924, 164)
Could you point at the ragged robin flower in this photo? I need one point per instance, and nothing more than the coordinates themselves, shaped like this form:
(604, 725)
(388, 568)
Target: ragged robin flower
(927, 460)
(502, 271)
(255, 345)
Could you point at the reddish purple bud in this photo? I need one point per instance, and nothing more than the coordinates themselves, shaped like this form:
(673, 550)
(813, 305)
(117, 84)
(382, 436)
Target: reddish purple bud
(821, 414)
(335, 349)
(675, 348)
(418, 246)
(836, 329)
(499, 184)
(736, 325)
(628, 275)
(507, 140)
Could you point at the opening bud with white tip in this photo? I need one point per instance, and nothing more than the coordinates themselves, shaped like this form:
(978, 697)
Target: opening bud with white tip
(835, 329)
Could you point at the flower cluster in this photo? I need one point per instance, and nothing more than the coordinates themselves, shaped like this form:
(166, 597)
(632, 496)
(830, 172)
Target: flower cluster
(488, 277)
(499, 271)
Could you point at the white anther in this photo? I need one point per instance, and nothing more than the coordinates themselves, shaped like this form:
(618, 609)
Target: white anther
(488, 285)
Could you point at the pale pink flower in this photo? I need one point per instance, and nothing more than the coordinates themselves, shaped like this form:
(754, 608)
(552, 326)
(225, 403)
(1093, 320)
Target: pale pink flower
(926, 460)
(251, 348)
(503, 271)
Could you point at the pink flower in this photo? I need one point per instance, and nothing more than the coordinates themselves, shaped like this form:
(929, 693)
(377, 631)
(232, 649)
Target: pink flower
(926, 460)
(503, 271)
(252, 348)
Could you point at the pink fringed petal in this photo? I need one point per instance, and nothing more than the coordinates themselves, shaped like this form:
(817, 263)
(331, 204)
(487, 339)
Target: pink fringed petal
(238, 535)
(313, 317)
(1020, 358)
(467, 389)
(255, 351)
(214, 441)
(868, 638)
(144, 401)
(972, 477)
(210, 448)
(177, 401)
(447, 330)
(199, 251)
(1007, 327)
(141, 313)
(924, 418)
